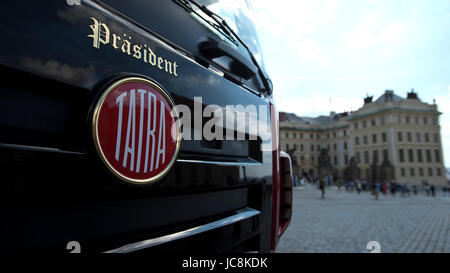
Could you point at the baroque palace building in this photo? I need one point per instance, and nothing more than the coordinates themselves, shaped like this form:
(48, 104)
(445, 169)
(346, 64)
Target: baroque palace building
(403, 133)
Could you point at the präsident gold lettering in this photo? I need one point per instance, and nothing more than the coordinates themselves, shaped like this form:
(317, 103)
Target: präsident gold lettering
(101, 36)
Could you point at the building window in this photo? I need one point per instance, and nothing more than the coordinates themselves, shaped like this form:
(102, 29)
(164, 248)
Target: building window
(311, 136)
(335, 160)
(356, 141)
(287, 135)
(384, 137)
(409, 136)
(385, 154)
(345, 145)
(301, 135)
(375, 156)
(374, 138)
(427, 137)
(411, 155)
(328, 135)
(399, 119)
(365, 140)
(407, 119)
(312, 148)
(430, 172)
(318, 136)
(374, 122)
(312, 158)
(436, 138)
(383, 120)
(295, 146)
(437, 155)
(400, 137)
(428, 152)
(420, 171)
(334, 147)
(419, 155)
(364, 124)
(417, 120)
(358, 157)
(301, 147)
(295, 135)
(402, 170)
(425, 120)
(334, 134)
(287, 147)
(439, 172)
(318, 147)
(401, 155)
(433, 121)
(366, 157)
(356, 125)
(412, 172)
(302, 158)
(346, 159)
(418, 137)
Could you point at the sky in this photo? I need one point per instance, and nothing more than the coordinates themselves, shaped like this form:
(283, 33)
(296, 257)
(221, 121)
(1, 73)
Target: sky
(327, 55)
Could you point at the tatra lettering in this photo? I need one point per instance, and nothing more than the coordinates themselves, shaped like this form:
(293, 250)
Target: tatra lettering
(131, 130)
(119, 100)
(161, 137)
(151, 148)
(101, 35)
(151, 127)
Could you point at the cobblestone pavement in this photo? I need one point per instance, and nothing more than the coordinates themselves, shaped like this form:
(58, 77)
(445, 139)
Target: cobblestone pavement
(346, 222)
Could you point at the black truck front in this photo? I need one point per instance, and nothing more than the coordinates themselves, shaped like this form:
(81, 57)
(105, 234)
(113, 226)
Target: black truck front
(93, 155)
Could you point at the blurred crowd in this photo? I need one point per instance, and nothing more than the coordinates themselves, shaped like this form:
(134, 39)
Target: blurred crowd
(393, 188)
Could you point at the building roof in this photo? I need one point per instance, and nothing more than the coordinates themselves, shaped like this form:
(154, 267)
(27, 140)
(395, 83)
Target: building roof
(388, 96)
(320, 120)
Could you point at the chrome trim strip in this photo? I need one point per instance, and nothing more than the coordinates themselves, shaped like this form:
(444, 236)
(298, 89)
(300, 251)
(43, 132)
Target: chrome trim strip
(221, 163)
(240, 216)
(38, 149)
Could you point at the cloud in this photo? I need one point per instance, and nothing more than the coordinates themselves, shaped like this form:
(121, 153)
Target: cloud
(56, 69)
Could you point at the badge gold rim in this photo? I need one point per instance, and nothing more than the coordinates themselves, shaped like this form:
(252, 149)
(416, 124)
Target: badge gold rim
(95, 117)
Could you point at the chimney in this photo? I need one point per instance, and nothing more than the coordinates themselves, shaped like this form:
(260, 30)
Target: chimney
(412, 95)
(368, 99)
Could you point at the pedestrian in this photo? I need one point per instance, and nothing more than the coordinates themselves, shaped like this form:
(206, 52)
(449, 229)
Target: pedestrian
(385, 188)
(403, 189)
(415, 189)
(393, 188)
(427, 189)
(433, 190)
(358, 186)
(322, 187)
(376, 190)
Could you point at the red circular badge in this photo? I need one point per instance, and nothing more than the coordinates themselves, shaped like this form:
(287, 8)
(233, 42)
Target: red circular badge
(135, 130)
